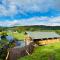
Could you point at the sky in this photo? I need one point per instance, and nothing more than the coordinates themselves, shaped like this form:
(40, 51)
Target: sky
(29, 12)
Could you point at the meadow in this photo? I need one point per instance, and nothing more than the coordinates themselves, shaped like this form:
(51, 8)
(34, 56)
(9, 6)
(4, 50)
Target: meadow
(48, 52)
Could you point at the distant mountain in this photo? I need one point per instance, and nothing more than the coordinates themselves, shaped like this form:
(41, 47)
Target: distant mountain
(36, 27)
(31, 28)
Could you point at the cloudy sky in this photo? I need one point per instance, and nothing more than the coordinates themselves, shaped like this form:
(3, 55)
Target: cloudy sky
(29, 12)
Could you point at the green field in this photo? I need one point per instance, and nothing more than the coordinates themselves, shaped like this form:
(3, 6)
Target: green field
(48, 52)
(16, 35)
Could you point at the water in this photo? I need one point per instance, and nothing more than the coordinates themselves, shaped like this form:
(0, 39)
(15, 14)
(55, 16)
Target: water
(0, 37)
(9, 38)
(18, 43)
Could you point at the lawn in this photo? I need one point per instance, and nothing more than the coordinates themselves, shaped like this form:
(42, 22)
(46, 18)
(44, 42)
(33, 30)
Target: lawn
(48, 52)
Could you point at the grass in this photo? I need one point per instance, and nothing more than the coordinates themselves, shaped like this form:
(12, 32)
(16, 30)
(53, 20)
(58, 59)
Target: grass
(16, 35)
(19, 36)
(48, 52)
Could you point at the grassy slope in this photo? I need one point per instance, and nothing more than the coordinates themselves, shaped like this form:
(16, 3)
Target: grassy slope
(49, 52)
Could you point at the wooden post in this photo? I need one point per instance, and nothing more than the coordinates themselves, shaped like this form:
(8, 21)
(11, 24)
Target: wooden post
(7, 55)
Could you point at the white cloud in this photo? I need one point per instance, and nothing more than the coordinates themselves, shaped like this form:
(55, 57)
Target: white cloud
(49, 21)
(12, 7)
(55, 19)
